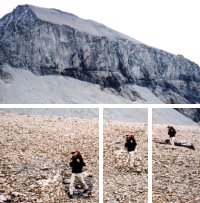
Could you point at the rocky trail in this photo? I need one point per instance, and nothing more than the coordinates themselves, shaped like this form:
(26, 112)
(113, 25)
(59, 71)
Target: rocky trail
(35, 154)
(122, 183)
(176, 171)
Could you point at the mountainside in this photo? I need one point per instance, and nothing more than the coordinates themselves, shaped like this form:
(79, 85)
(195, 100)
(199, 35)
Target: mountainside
(52, 42)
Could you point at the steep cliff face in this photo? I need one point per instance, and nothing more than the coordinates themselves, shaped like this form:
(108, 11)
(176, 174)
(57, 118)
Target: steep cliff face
(49, 41)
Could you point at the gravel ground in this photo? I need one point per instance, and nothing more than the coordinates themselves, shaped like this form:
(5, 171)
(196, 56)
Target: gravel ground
(35, 154)
(122, 183)
(176, 171)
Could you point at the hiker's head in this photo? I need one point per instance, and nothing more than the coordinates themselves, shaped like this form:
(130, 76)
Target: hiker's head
(129, 136)
(170, 128)
(76, 153)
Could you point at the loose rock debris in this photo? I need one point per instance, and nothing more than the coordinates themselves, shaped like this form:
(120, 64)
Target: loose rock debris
(122, 183)
(176, 170)
(35, 154)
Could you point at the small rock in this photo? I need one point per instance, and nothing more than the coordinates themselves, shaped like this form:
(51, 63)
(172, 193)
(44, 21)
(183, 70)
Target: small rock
(15, 194)
(2, 180)
(45, 168)
(66, 181)
(3, 198)
(2, 190)
(138, 170)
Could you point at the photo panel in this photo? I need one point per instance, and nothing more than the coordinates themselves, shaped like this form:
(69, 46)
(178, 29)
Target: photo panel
(125, 155)
(176, 155)
(49, 155)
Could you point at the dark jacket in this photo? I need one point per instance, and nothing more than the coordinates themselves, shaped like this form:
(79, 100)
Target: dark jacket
(76, 165)
(130, 145)
(171, 132)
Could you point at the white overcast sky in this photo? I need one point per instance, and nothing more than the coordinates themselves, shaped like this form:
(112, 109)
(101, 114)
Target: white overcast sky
(170, 25)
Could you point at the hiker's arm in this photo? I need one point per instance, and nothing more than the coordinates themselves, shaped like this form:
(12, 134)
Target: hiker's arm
(81, 160)
(135, 143)
(71, 163)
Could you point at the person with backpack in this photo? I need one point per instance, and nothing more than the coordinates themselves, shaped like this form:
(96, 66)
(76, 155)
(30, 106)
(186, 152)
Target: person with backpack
(77, 165)
(131, 147)
(172, 134)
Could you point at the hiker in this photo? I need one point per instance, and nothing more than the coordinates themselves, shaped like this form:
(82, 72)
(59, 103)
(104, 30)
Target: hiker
(130, 146)
(172, 134)
(77, 164)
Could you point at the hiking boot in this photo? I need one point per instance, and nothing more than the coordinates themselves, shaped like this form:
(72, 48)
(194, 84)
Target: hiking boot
(70, 196)
(85, 190)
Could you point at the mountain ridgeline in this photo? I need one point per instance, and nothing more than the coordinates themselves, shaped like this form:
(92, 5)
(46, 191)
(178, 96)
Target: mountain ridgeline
(52, 42)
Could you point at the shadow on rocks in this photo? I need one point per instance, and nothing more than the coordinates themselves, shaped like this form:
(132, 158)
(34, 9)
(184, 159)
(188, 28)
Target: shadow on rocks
(178, 144)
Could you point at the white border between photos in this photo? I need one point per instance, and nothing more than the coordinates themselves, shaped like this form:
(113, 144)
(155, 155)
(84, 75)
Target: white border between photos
(101, 144)
(101, 107)
(150, 155)
(91, 106)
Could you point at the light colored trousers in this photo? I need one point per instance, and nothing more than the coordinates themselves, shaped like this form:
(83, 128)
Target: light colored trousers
(79, 177)
(130, 159)
(172, 140)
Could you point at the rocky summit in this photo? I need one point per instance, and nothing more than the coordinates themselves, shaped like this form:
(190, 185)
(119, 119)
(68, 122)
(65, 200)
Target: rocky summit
(53, 42)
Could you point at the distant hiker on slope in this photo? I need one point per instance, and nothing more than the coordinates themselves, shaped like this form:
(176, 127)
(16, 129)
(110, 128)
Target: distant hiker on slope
(130, 146)
(172, 134)
(76, 164)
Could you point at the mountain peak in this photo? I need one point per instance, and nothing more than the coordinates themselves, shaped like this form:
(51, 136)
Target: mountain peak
(20, 13)
(59, 17)
(51, 14)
